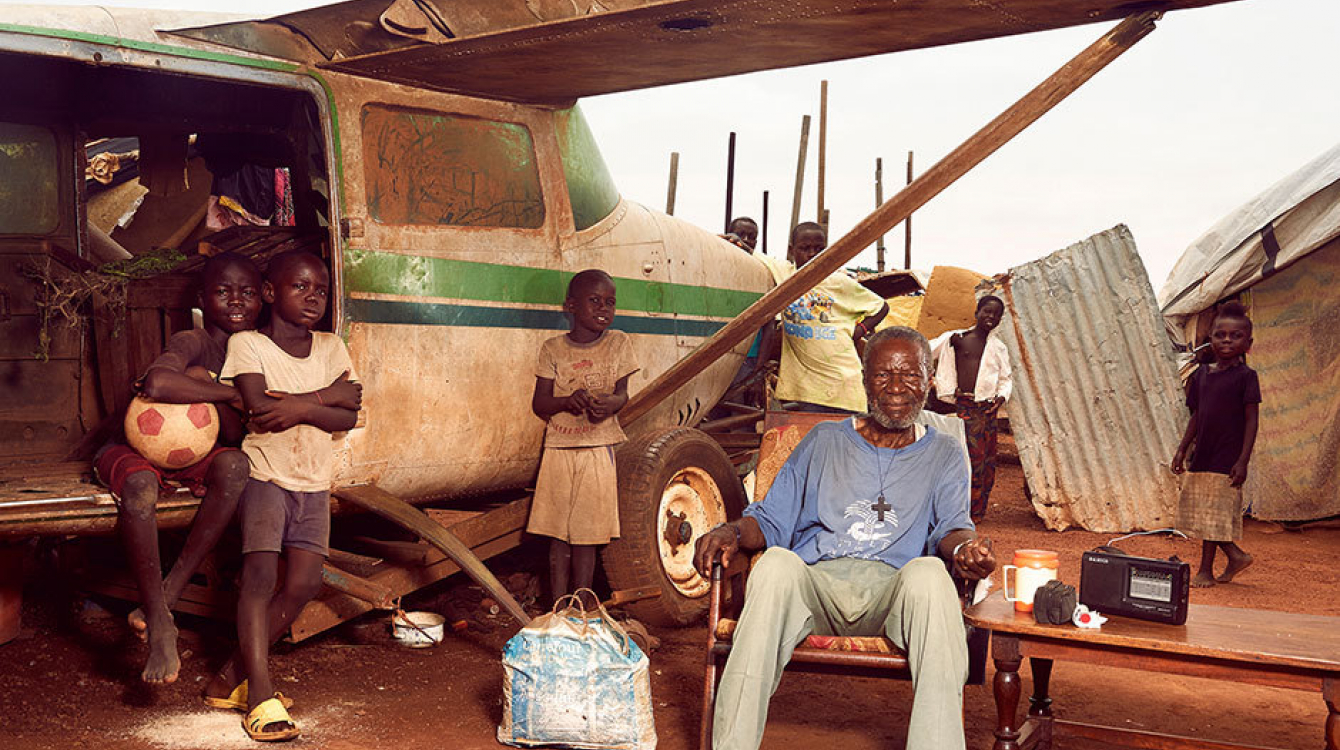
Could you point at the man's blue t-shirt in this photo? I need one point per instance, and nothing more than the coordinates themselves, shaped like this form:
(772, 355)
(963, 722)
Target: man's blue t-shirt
(819, 506)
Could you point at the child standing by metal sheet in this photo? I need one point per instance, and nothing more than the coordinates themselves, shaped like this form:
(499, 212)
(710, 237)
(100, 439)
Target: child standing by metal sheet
(1224, 397)
(581, 382)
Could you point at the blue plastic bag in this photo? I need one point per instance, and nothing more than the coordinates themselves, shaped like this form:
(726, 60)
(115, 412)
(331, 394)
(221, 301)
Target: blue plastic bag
(576, 681)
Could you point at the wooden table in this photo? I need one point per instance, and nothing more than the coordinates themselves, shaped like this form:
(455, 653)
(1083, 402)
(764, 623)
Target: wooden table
(1274, 649)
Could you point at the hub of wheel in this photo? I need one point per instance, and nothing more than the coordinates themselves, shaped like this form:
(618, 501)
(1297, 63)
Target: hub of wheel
(677, 529)
(691, 504)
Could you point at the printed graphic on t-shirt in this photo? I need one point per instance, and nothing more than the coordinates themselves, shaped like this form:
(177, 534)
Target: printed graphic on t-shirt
(866, 535)
(592, 378)
(808, 317)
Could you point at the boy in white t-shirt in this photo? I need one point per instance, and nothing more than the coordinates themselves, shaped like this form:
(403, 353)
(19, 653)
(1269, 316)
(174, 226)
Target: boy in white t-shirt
(298, 390)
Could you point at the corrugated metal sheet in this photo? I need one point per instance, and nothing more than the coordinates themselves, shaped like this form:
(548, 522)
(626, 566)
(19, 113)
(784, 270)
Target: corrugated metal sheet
(1097, 409)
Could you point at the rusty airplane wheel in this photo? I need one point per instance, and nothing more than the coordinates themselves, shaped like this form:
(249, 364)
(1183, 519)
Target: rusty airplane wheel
(674, 485)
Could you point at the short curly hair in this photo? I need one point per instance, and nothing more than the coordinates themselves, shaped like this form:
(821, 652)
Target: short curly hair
(898, 333)
(1233, 310)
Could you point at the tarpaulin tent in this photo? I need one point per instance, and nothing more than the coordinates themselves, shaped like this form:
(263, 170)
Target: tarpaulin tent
(1281, 254)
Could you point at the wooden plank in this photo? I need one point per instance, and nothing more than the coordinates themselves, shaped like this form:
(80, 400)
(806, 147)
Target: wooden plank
(1266, 675)
(733, 422)
(736, 440)
(171, 290)
(1251, 636)
(144, 339)
(374, 594)
(114, 366)
(449, 517)
(390, 507)
(413, 554)
(44, 470)
(958, 162)
(361, 565)
(82, 508)
(489, 533)
(330, 609)
(1134, 738)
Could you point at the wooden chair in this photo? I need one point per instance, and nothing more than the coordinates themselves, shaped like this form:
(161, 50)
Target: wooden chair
(873, 656)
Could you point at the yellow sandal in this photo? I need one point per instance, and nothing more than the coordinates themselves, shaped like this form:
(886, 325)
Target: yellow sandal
(270, 712)
(237, 700)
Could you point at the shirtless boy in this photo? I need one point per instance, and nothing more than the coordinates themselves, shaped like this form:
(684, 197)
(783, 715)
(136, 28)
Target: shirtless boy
(973, 383)
(230, 300)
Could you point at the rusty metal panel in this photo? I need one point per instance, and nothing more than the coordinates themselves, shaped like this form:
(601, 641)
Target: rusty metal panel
(1098, 408)
(437, 169)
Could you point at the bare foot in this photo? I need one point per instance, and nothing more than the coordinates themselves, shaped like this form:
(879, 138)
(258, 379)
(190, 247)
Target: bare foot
(138, 624)
(1235, 566)
(163, 663)
(219, 686)
(1202, 580)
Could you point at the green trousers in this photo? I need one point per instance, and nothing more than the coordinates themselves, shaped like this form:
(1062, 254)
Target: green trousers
(787, 600)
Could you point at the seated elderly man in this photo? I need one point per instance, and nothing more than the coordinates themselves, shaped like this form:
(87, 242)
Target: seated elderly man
(852, 526)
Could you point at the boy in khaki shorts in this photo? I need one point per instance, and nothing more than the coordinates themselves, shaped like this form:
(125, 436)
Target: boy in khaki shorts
(581, 382)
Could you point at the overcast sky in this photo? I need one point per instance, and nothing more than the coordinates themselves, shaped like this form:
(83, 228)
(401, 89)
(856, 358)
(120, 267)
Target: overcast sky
(1205, 112)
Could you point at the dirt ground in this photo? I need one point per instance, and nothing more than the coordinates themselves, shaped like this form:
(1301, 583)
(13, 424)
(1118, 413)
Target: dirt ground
(70, 679)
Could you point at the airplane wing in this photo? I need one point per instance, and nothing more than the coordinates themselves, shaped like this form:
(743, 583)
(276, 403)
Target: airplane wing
(555, 51)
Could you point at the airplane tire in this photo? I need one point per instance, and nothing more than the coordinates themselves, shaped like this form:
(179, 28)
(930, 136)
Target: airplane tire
(674, 485)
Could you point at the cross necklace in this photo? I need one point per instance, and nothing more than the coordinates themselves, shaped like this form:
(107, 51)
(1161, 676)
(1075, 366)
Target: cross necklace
(881, 505)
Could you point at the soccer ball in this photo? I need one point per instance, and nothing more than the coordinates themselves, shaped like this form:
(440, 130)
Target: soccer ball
(171, 436)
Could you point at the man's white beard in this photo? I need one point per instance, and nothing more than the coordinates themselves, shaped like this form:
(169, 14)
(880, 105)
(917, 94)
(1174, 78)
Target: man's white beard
(889, 423)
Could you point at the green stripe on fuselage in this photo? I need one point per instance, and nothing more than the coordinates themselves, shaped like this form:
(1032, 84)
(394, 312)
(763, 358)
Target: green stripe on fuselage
(472, 316)
(418, 276)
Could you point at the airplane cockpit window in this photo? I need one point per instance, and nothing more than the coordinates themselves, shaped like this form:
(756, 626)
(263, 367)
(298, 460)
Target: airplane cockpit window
(29, 201)
(590, 187)
(428, 168)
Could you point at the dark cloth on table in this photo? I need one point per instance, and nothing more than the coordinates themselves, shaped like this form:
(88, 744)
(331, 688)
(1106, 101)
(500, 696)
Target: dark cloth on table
(1219, 400)
(251, 186)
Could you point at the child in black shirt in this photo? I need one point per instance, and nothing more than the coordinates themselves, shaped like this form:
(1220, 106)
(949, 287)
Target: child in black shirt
(1224, 397)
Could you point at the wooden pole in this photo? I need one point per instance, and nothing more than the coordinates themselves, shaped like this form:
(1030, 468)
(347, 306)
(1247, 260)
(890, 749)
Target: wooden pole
(674, 178)
(958, 162)
(823, 151)
(730, 180)
(907, 225)
(800, 174)
(763, 230)
(879, 200)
